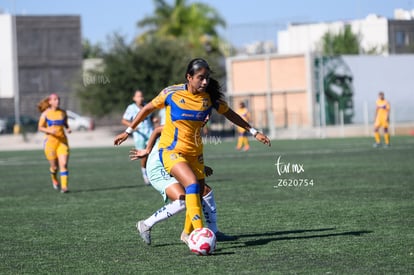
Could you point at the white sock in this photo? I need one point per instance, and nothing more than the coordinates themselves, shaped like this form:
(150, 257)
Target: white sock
(165, 212)
(144, 175)
(209, 210)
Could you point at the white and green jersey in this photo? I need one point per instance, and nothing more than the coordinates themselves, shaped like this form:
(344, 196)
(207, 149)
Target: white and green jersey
(144, 129)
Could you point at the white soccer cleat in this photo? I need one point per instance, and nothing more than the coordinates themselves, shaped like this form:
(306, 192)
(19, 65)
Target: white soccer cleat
(56, 185)
(144, 231)
(184, 238)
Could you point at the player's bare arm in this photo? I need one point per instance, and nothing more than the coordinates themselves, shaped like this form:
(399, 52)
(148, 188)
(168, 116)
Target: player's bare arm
(126, 122)
(68, 130)
(148, 109)
(239, 121)
(135, 154)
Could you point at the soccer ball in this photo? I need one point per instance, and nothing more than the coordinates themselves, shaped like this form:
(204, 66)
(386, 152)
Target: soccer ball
(202, 241)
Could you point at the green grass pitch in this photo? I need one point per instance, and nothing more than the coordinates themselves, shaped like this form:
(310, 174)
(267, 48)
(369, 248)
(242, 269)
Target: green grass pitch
(356, 218)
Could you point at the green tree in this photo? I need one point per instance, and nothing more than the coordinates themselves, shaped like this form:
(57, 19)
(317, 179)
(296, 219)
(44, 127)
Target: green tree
(345, 42)
(194, 23)
(149, 67)
(175, 34)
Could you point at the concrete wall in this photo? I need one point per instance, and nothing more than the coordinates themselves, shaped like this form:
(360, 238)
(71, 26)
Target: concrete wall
(8, 58)
(286, 85)
(394, 75)
(8, 64)
(49, 58)
(279, 83)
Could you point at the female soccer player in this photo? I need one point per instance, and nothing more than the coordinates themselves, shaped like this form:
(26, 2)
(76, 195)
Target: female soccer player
(144, 130)
(171, 190)
(382, 119)
(52, 122)
(242, 139)
(180, 148)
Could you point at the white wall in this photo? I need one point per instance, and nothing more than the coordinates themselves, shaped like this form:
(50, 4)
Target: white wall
(304, 38)
(394, 75)
(8, 57)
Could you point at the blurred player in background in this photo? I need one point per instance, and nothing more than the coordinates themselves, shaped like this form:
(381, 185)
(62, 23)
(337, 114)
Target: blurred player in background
(243, 140)
(170, 189)
(52, 122)
(142, 133)
(181, 148)
(382, 119)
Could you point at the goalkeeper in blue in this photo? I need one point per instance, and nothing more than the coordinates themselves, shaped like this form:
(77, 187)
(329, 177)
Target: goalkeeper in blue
(171, 190)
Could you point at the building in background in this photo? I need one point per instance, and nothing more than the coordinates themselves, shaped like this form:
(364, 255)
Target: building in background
(39, 55)
(298, 89)
(377, 34)
(277, 89)
(285, 91)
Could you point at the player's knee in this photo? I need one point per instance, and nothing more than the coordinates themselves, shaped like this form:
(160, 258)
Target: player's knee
(207, 189)
(63, 166)
(175, 192)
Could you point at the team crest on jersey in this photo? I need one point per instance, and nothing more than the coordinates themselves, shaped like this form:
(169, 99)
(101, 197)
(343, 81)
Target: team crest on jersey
(173, 156)
(200, 115)
(205, 102)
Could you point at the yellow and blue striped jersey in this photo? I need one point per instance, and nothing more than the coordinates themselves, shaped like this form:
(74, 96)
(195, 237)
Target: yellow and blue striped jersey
(56, 119)
(185, 114)
(383, 108)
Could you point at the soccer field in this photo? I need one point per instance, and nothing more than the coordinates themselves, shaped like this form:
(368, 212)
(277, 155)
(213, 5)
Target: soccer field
(338, 206)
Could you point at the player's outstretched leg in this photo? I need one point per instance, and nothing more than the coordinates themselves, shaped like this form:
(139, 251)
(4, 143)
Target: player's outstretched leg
(168, 210)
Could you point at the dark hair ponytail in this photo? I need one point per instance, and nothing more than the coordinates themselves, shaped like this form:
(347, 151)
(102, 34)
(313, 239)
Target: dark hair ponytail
(214, 90)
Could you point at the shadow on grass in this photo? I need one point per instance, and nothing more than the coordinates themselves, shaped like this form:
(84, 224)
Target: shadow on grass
(263, 241)
(110, 188)
(276, 233)
(217, 252)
